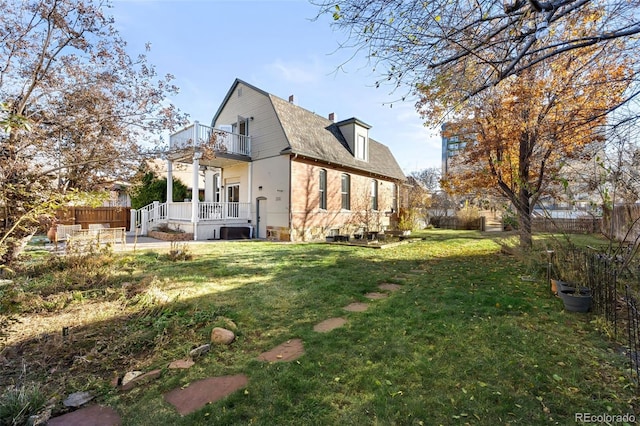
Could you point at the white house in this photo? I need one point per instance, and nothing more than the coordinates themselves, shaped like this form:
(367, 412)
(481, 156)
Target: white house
(275, 170)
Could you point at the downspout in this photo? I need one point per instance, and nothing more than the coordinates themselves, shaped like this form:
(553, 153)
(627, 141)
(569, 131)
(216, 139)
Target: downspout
(249, 195)
(195, 190)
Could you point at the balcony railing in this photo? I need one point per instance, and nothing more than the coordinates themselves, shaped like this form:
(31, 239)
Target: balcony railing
(159, 212)
(198, 135)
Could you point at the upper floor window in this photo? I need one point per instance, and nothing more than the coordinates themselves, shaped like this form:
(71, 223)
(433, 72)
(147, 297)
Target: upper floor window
(346, 192)
(374, 194)
(361, 148)
(323, 189)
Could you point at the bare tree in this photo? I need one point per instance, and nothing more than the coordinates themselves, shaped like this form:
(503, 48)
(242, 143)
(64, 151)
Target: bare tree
(76, 106)
(431, 44)
(428, 178)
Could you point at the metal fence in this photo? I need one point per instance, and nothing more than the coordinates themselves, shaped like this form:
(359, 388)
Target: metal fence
(614, 281)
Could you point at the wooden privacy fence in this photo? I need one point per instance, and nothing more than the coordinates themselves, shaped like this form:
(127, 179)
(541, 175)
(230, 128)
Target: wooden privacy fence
(624, 223)
(115, 217)
(570, 226)
(454, 222)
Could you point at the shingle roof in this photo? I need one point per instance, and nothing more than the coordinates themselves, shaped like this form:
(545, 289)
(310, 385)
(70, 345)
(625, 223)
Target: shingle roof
(316, 137)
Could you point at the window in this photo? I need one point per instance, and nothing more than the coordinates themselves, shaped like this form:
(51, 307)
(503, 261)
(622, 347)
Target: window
(394, 197)
(346, 192)
(241, 127)
(361, 148)
(374, 194)
(216, 188)
(323, 189)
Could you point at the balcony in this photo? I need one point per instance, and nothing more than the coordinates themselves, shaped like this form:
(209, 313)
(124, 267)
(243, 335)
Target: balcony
(221, 143)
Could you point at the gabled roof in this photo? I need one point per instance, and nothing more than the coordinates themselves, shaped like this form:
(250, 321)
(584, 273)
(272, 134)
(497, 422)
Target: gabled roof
(316, 137)
(319, 138)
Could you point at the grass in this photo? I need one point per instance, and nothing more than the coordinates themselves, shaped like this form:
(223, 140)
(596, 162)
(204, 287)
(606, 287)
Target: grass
(464, 341)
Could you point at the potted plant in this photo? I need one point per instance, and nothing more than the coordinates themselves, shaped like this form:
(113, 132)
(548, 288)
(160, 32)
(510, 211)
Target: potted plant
(576, 299)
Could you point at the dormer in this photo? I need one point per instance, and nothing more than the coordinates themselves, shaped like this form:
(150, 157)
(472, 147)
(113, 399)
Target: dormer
(356, 133)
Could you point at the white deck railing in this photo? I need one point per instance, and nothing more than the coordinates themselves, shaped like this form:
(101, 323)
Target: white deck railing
(207, 211)
(199, 135)
(179, 211)
(156, 212)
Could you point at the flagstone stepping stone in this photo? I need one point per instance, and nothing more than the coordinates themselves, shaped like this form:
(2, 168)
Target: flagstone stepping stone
(287, 351)
(389, 287)
(94, 415)
(329, 324)
(205, 391)
(356, 307)
(376, 295)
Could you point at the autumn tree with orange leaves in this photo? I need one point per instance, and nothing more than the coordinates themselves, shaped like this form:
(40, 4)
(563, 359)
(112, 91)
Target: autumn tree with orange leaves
(520, 133)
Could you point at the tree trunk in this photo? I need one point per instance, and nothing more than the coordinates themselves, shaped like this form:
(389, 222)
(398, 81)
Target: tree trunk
(524, 220)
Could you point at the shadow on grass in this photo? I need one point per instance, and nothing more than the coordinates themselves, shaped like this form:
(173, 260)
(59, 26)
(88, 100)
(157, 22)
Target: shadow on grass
(463, 325)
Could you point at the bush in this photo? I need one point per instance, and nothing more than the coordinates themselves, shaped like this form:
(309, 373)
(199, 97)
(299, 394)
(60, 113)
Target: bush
(149, 189)
(509, 219)
(407, 219)
(467, 216)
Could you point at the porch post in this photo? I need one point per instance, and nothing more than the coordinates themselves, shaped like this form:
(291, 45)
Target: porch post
(195, 191)
(169, 181)
(209, 190)
(132, 220)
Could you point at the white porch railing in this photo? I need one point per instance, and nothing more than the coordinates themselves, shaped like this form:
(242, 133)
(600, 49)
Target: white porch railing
(155, 212)
(213, 211)
(197, 135)
(159, 212)
(179, 211)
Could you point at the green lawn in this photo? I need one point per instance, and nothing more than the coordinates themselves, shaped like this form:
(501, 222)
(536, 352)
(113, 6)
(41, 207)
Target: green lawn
(465, 341)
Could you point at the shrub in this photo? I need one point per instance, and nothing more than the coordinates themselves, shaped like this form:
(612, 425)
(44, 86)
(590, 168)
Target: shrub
(467, 216)
(18, 403)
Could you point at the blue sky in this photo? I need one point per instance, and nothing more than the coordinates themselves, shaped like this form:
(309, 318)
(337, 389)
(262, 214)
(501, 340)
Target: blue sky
(276, 46)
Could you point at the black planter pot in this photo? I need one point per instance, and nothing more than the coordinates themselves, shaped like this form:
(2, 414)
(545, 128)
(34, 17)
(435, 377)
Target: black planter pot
(576, 302)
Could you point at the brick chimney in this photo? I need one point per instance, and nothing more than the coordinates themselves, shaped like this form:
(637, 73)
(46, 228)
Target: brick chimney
(291, 98)
(332, 116)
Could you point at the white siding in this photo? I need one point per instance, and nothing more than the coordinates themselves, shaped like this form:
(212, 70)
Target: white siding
(238, 174)
(272, 174)
(267, 136)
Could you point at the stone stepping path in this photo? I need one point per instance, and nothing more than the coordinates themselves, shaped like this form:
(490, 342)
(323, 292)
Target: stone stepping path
(329, 324)
(287, 351)
(389, 287)
(376, 295)
(200, 393)
(356, 307)
(94, 415)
